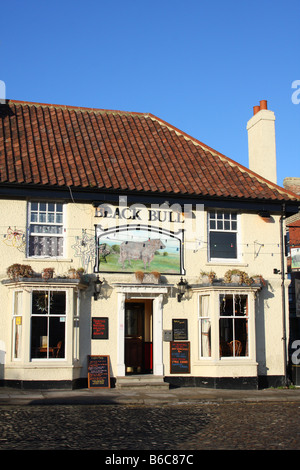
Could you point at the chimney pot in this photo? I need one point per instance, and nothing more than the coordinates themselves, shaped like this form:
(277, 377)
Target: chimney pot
(255, 110)
(263, 104)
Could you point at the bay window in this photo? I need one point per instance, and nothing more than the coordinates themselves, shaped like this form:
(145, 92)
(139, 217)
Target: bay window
(48, 324)
(224, 324)
(233, 325)
(17, 324)
(204, 327)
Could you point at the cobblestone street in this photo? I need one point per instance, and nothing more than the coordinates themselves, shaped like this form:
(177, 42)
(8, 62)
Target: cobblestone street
(250, 426)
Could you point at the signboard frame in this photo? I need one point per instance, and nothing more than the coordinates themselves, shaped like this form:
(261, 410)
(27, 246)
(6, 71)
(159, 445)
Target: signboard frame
(101, 377)
(180, 357)
(180, 329)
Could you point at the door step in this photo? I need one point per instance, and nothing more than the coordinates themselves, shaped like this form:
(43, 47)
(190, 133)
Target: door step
(142, 382)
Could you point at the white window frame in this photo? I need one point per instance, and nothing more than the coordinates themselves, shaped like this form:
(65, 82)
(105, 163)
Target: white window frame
(224, 230)
(17, 325)
(201, 319)
(49, 316)
(76, 325)
(232, 319)
(45, 223)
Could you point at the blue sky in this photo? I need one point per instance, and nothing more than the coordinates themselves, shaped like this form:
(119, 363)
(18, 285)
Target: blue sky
(199, 65)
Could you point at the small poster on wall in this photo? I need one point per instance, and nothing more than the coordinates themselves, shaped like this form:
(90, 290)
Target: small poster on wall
(180, 329)
(99, 328)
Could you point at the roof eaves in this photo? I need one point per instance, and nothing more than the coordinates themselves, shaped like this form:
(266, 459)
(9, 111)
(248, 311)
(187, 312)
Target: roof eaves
(227, 159)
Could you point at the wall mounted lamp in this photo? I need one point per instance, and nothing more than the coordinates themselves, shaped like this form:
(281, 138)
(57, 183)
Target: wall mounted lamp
(183, 286)
(97, 288)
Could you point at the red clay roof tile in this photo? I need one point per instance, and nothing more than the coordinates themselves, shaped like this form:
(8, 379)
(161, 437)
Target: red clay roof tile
(56, 145)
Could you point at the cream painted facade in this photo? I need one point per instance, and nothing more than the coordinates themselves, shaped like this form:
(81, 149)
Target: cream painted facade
(258, 252)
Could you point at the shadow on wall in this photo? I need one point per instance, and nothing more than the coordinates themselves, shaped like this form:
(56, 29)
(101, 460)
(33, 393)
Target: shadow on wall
(262, 309)
(2, 359)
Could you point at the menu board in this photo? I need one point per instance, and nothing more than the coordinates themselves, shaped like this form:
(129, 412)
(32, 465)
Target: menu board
(99, 328)
(98, 372)
(180, 357)
(179, 328)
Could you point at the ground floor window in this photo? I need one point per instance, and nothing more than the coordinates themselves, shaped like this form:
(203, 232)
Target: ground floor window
(17, 324)
(48, 324)
(233, 325)
(223, 324)
(204, 327)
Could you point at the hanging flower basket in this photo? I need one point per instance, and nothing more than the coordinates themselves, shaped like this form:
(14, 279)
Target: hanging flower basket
(147, 278)
(207, 277)
(235, 276)
(17, 271)
(258, 279)
(139, 275)
(74, 273)
(47, 273)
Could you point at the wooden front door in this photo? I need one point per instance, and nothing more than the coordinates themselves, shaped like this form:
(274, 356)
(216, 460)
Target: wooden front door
(134, 337)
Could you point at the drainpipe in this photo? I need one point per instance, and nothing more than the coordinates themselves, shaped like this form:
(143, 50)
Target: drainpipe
(284, 339)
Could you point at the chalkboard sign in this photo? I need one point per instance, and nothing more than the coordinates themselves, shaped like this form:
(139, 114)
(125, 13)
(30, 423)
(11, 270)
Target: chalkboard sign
(99, 328)
(180, 330)
(180, 357)
(98, 372)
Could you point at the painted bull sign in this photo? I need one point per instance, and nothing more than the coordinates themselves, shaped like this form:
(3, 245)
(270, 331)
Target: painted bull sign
(128, 249)
(144, 251)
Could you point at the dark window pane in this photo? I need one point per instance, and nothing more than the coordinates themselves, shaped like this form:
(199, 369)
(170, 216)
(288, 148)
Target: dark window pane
(226, 336)
(39, 337)
(39, 302)
(223, 245)
(241, 305)
(226, 305)
(58, 303)
(56, 337)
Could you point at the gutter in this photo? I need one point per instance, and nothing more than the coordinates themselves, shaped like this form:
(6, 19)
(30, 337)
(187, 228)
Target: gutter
(283, 296)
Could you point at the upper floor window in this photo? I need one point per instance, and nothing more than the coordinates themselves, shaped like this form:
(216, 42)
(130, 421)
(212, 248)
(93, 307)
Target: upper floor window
(45, 229)
(223, 230)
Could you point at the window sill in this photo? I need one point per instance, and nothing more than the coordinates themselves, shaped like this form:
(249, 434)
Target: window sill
(47, 258)
(229, 361)
(229, 262)
(41, 283)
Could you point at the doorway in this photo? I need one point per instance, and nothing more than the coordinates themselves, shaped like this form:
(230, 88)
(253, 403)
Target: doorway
(138, 337)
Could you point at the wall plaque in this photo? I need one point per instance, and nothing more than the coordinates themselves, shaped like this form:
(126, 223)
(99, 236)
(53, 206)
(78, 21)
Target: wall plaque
(99, 328)
(180, 329)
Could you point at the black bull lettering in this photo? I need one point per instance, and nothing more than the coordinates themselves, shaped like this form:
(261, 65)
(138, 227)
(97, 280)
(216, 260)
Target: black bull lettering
(139, 250)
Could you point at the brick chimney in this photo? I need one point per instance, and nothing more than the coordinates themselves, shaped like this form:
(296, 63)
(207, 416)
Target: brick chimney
(261, 142)
(292, 184)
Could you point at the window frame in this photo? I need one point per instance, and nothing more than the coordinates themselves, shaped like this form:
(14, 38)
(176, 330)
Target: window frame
(48, 316)
(17, 313)
(31, 224)
(201, 319)
(235, 231)
(232, 318)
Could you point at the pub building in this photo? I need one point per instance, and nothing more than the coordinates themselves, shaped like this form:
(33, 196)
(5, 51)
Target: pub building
(131, 251)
